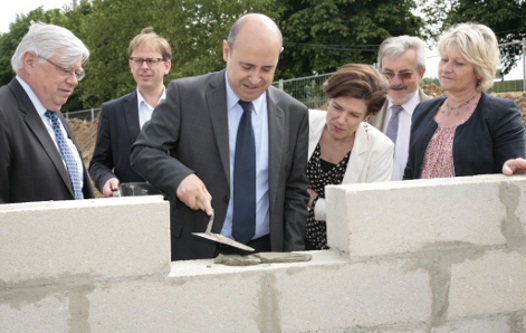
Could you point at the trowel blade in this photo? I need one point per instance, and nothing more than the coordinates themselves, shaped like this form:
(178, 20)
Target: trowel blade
(224, 240)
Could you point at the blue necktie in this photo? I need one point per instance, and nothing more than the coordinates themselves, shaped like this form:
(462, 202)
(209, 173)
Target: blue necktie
(244, 219)
(67, 155)
(392, 127)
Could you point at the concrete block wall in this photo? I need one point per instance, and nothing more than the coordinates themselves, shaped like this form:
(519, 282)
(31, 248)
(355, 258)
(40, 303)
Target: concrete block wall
(419, 256)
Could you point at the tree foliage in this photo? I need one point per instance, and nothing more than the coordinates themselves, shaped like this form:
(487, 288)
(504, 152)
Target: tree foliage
(319, 36)
(505, 17)
(322, 35)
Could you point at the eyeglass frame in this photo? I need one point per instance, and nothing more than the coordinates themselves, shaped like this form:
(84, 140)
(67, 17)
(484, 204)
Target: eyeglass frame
(147, 60)
(65, 70)
(402, 75)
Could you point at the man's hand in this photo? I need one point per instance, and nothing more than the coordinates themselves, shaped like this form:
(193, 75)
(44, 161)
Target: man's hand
(192, 191)
(514, 166)
(111, 185)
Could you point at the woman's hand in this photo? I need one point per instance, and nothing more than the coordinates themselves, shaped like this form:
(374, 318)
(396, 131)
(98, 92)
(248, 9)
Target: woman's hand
(313, 195)
(514, 166)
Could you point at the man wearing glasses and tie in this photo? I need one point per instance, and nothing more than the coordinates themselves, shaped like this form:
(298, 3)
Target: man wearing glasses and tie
(402, 60)
(39, 158)
(121, 120)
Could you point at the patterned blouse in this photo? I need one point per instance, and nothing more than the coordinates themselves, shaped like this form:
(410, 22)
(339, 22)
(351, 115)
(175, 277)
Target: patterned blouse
(438, 160)
(321, 173)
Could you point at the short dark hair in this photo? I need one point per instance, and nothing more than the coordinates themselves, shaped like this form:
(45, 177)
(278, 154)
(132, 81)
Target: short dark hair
(358, 81)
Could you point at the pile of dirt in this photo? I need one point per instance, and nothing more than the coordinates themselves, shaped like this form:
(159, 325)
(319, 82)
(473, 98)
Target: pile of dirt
(86, 131)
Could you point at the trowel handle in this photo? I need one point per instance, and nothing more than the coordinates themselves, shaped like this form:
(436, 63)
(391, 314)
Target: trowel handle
(210, 223)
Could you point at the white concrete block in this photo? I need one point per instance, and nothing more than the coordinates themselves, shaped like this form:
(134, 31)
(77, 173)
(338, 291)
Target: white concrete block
(47, 313)
(400, 217)
(330, 294)
(494, 283)
(488, 325)
(232, 299)
(80, 240)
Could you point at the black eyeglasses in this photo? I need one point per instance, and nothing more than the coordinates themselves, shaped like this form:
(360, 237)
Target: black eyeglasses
(151, 62)
(79, 73)
(401, 75)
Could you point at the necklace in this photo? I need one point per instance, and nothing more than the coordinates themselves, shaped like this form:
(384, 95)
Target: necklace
(458, 107)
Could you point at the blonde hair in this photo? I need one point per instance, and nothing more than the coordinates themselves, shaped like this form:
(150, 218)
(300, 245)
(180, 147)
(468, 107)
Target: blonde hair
(478, 45)
(149, 38)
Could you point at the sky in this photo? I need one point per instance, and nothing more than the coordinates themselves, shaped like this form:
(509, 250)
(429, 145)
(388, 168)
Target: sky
(9, 12)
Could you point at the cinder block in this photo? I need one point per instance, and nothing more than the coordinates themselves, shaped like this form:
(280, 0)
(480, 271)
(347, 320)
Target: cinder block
(329, 294)
(488, 325)
(34, 312)
(494, 283)
(402, 217)
(47, 242)
(194, 298)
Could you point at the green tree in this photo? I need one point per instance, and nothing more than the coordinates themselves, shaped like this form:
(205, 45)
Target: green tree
(427, 80)
(194, 28)
(505, 17)
(322, 35)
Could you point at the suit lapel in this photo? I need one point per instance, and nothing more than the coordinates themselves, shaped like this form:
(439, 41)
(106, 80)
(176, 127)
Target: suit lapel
(217, 106)
(276, 128)
(131, 114)
(35, 124)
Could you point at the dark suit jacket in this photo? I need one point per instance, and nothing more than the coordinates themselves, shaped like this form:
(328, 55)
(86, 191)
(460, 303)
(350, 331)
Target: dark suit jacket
(31, 168)
(493, 134)
(117, 130)
(192, 123)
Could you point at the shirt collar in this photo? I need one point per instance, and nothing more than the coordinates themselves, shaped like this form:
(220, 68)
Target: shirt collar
(32, 96)
(232, 99)
(410, 106)
(140, 98)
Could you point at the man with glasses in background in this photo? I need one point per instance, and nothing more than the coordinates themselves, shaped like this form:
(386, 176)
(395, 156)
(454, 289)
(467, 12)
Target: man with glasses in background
(402, 60)
(39, 158)
(121, 120)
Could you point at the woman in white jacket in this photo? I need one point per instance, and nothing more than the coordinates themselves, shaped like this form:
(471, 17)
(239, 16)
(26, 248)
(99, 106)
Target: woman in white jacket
(343, 148)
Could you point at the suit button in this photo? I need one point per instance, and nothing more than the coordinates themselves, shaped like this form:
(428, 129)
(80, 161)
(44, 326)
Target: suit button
(226, 198)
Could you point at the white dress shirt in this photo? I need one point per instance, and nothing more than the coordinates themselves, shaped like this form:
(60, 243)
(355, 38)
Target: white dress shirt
(260, 126)
(401, 152)
(145, 109)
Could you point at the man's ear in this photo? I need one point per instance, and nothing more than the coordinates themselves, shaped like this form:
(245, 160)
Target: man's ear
(29, 60)
(226, 50)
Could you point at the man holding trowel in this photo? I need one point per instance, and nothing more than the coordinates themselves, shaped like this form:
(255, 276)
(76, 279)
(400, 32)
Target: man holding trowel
(236, 144)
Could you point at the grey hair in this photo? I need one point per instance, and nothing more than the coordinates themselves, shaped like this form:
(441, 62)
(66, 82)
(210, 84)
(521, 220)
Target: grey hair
(48, 40)
(236, 27)
(396, 46)
(478, 44)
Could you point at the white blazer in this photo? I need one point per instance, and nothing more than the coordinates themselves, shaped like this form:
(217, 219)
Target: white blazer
(371, 157)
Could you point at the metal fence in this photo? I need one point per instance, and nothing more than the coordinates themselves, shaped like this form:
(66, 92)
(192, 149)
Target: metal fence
(307, 90)
(86, 115)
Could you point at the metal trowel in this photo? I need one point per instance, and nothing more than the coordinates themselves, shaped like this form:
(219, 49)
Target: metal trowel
(208, 234)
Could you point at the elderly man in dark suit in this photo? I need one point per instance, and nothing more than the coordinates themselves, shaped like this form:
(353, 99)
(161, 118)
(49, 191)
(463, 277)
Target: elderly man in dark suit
(39, 158)
(402, 60)
(121, 120)
(236, 144)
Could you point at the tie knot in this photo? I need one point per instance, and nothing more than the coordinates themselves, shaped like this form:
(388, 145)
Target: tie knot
(51, 115)
(247, 106)
(396, 109)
